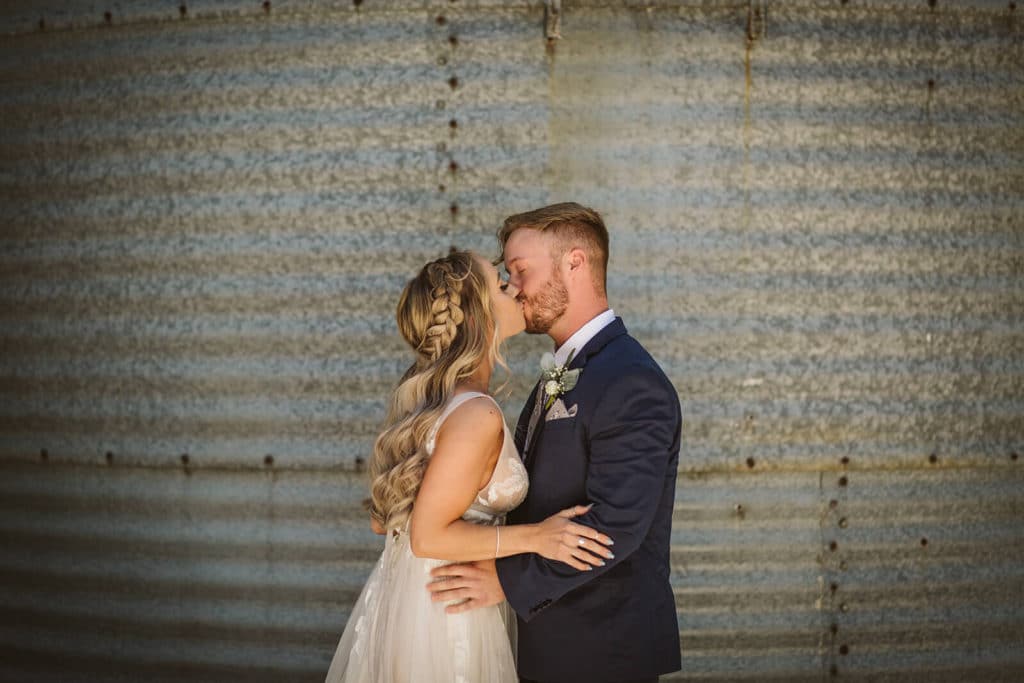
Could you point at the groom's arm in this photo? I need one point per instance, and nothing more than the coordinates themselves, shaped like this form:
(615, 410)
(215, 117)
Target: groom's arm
(633, 432)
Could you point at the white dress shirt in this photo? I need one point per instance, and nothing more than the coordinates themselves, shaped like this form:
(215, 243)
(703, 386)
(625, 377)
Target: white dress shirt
(583, 335)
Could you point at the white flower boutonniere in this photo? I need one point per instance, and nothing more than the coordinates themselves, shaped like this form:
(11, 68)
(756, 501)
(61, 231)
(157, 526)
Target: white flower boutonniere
(557, 380)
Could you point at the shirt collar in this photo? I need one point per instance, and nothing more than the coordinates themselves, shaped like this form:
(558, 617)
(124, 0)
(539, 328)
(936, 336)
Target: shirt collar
(580, 338)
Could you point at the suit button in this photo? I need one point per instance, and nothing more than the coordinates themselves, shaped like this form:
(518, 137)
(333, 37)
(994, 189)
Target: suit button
(539, 606)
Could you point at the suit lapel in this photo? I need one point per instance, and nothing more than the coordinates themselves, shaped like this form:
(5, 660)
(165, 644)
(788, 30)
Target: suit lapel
(524, 420)
(614, 329)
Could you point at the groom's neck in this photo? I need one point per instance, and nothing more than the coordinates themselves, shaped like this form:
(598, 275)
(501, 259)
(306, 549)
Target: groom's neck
(575, 317)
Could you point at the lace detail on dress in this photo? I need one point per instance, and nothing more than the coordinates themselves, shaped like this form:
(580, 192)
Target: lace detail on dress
(508, 485)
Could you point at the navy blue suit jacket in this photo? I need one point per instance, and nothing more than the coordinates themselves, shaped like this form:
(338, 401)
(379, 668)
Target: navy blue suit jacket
(620, 452)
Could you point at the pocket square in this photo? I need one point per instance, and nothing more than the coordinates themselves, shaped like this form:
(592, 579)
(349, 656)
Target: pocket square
(558, 411)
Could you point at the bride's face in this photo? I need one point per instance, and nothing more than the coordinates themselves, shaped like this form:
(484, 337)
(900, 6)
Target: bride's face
(508, 311)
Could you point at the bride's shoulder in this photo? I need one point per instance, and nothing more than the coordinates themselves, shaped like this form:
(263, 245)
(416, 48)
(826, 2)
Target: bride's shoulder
(473, 429)
(478, 408)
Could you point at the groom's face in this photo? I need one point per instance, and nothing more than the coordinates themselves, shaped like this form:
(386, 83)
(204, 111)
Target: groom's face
(533, 268)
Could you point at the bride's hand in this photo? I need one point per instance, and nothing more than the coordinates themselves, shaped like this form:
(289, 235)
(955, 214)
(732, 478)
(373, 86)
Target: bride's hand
(559, 538)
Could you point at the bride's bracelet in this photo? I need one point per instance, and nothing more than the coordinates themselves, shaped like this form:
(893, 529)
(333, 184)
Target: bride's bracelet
(497, 540)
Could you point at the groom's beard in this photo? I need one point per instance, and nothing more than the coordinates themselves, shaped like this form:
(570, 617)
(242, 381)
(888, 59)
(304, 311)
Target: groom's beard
(547, 306)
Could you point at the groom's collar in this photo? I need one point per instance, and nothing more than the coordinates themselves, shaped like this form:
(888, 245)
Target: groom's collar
(616, 328)
(580, 337)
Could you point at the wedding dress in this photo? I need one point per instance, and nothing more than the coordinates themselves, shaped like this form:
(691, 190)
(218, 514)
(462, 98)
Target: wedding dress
(397, 634)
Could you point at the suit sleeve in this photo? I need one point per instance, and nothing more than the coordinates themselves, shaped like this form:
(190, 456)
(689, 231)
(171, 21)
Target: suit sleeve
(631, 435)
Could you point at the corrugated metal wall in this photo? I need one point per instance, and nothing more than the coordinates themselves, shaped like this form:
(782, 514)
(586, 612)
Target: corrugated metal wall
(817, 215)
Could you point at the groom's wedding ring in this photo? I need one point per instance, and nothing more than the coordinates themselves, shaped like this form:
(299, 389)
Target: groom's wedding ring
(581, 540)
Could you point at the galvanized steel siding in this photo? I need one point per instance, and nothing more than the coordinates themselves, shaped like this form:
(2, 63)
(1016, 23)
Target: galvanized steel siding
(207, 217)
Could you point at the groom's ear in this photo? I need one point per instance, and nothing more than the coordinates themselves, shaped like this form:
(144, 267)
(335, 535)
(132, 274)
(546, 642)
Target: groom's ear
(577, 258)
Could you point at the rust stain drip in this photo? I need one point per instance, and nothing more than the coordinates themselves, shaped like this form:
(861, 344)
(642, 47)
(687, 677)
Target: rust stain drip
(756, 15)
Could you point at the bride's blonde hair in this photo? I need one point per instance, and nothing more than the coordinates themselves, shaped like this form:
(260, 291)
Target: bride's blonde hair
(445, 315)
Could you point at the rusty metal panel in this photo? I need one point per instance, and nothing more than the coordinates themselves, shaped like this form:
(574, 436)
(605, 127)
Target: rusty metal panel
(129, 573)
(861, 574)
(206, 216)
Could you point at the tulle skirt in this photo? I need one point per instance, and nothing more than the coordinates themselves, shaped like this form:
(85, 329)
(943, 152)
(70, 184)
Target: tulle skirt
(397, 634)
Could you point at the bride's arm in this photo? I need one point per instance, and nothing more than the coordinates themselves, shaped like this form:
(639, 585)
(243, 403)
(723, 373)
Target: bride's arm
(466, 451)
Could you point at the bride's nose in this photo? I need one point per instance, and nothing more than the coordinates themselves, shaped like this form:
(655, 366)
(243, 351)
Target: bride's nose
(512, 290)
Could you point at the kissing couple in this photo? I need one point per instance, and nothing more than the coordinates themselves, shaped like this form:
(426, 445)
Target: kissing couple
(567, 522)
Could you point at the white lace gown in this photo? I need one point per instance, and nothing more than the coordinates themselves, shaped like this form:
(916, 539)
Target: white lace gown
(396, 634)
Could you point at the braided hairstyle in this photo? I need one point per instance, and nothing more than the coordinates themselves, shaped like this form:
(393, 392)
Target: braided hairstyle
(445, 315)
(446, 278)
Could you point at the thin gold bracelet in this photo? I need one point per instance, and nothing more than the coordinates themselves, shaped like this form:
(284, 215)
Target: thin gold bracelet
(497, 540)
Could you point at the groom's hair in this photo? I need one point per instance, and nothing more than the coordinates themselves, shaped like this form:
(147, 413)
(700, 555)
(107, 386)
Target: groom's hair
(573, 226)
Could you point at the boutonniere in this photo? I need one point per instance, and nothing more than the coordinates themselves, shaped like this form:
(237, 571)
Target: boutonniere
(557, 380)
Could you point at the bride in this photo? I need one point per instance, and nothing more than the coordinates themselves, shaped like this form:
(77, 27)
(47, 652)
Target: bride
(444, 473)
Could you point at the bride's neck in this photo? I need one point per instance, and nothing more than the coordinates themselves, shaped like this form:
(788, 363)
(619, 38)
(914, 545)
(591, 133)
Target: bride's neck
(480, 380)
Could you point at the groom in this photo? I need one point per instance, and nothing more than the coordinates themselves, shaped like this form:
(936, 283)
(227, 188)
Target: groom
(612, 441)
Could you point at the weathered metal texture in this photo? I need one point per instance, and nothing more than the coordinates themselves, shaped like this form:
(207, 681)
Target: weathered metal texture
(207, 216)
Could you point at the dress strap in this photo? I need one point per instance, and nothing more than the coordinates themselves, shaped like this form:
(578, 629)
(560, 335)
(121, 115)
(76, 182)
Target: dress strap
(457, 400)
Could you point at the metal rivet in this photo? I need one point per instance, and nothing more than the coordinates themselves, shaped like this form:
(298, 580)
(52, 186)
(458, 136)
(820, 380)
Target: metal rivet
(453, 40)
(833, 546)
(268, 460)
(440, 104)
(750, 462)
(842, 481)
(453, 167)
(44, 454)
(931, 84)
(1013, 456)
(833, 504)
(844, 649)
(357, 3)
(183, 10)
(454, 208)
(833, 671)
(453, 124)
(843, 607)
(1013, 6)
(266, 6)
(834, 587)
(453, 82)
(834, 628)
(441, 21)
(441, 188)
(739, 508)
(442, 61)
(42, 24)
(360, 463)
(844, 461)
(931, 3)
(842, 522)
(184, 458)
(108, 17)
(924, 542)
(110, 456)
(933, 458)
(842, 566)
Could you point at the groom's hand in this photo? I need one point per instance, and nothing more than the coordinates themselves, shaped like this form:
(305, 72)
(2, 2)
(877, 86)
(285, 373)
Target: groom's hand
(474, 583)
